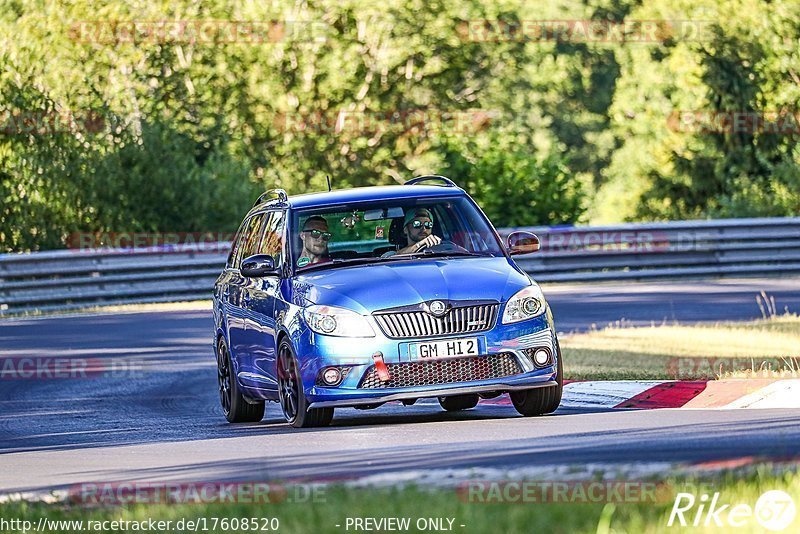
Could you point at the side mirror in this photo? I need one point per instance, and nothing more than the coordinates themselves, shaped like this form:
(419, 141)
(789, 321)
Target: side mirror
(258, 265)
(522, 243)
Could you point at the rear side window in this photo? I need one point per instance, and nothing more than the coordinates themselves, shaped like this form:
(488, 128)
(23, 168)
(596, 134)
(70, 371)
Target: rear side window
(254, 233)
(272, 240)
(248, 239)
(237, 244)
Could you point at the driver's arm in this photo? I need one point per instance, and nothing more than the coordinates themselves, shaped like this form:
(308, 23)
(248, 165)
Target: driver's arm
(430, 241)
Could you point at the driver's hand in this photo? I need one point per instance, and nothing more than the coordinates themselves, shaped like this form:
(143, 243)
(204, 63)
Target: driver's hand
(430, 241)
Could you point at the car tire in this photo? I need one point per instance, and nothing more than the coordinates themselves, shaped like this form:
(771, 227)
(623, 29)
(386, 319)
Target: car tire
(294, 404)
(459, 402)
(236, 408)
(539, 401)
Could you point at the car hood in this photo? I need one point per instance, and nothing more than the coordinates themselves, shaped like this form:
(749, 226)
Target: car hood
(368, 288)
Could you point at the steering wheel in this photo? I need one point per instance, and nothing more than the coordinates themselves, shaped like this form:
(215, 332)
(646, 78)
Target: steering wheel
(446, 246)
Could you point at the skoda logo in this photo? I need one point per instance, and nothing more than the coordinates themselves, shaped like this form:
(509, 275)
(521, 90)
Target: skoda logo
(437, 307)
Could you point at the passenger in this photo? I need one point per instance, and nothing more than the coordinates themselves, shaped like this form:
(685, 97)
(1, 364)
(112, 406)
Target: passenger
(418, 229)
(315, 237)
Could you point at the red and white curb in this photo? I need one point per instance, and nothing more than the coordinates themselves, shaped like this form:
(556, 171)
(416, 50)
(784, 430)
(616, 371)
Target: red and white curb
(698, 394)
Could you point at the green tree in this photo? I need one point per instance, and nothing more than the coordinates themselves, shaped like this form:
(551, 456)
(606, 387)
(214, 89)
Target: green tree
(513, 187)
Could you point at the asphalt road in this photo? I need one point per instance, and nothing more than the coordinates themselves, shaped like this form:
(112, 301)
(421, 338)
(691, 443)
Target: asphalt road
(579, 306)
(159, 420)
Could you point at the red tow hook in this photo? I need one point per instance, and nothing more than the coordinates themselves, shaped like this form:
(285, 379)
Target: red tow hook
(380, 366)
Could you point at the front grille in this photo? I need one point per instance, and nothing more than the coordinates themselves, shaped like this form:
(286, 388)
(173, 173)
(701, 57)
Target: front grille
(403, 375)
(460, 320)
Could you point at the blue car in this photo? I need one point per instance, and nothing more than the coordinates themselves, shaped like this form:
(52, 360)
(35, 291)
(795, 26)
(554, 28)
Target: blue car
(358, 297)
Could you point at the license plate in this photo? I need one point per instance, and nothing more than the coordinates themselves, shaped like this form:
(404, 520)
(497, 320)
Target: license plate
(446, 348)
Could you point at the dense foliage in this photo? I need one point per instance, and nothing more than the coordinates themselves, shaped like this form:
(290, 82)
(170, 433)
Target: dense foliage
(102, 129)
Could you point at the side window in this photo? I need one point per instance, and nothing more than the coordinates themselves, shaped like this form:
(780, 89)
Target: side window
(254, 235)
(272, 241)
(249, 239)
(237, 244)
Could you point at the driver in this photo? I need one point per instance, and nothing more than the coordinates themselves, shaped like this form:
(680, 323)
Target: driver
(418, 229)
(315, 237)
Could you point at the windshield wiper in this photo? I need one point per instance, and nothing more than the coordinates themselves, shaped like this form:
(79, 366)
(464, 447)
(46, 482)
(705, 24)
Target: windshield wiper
(336, 262)
(430, 254)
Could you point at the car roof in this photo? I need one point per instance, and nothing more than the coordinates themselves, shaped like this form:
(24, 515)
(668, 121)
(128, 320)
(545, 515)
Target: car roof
(365, 194)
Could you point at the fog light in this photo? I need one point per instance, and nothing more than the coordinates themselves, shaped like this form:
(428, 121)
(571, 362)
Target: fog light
(332, 376)
(541, 357)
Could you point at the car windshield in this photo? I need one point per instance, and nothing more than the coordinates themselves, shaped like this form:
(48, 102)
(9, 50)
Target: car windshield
(384, 231)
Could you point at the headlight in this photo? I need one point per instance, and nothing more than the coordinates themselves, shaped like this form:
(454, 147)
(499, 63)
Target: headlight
(333, 321)
(525, 304)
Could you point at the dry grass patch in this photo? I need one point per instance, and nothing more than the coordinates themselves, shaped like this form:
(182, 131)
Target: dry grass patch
(765, 348)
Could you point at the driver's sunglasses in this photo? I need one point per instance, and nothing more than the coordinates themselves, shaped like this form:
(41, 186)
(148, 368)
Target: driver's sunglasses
(316, 234)
(416, 225)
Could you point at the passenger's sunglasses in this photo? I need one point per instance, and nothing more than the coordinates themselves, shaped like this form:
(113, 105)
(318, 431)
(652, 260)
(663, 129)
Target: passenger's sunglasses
(316, 234)
(416, 225)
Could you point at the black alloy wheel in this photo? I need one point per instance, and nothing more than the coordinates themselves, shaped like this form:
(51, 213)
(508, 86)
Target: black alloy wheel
(235, 406)
(290, 391)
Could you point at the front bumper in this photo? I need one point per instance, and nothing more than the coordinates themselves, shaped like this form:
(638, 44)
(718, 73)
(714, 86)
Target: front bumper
(427, 393)
(316, 352)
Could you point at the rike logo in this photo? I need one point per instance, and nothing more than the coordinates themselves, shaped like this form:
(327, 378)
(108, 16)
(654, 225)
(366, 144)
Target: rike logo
(774, 510)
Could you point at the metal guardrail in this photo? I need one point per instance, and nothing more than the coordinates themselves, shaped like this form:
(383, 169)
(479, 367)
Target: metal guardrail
(69, 279)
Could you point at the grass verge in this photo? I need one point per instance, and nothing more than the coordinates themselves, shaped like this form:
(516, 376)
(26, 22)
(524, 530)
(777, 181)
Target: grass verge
(764, 348)
(573, 514)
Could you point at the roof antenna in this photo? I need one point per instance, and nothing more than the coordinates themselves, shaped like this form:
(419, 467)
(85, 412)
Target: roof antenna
(328, 177)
